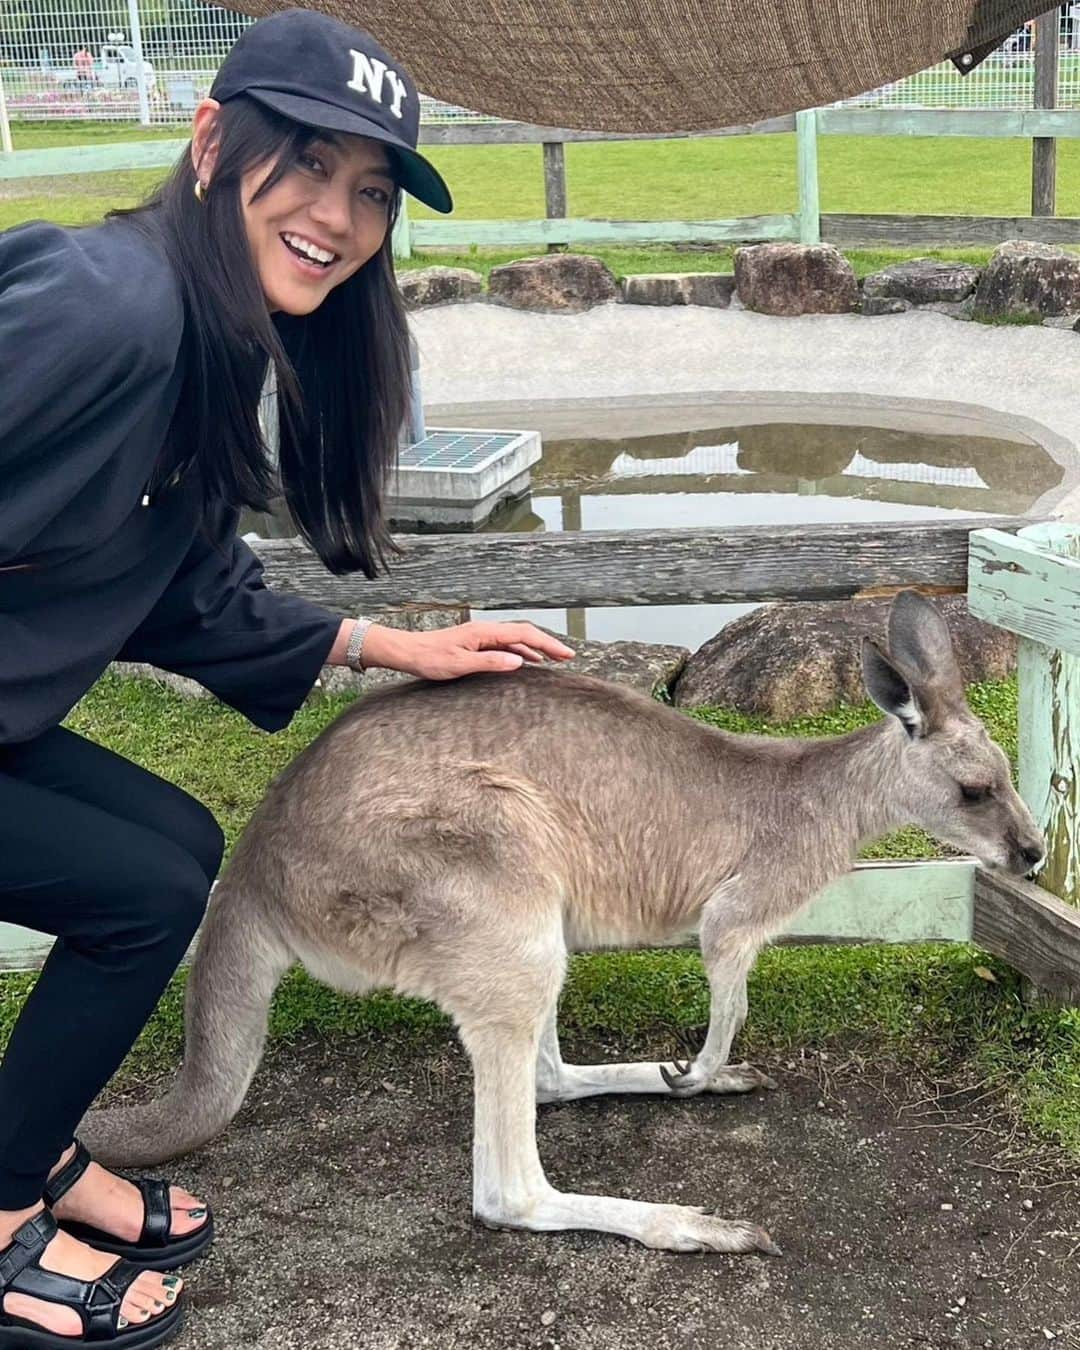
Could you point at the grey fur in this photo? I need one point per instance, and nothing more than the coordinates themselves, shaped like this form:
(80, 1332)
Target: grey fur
(455, 840)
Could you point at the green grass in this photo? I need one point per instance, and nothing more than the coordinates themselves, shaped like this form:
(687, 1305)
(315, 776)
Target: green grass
(930, 1005)
(637, 180)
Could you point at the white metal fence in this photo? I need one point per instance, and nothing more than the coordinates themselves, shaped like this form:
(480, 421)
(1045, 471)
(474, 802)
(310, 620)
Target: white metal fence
(153, 60)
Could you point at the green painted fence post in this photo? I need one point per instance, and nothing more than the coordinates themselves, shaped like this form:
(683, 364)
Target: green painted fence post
(806, 157)
(401, 240)
(1049, 735)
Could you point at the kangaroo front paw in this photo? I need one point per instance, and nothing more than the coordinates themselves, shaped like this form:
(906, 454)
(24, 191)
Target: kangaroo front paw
(680, 1228)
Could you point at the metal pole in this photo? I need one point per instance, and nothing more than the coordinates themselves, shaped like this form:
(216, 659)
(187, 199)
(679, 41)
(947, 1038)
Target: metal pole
(140, 73)
(5, 122)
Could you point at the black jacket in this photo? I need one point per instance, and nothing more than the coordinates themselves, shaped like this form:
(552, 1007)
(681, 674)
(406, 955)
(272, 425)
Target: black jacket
(90, 329)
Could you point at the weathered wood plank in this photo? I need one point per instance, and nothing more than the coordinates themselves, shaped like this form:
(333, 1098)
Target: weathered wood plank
(523, 133)
(1016, 583)
(70, 159)
(806, 157)
(158, 154)
(401, 239)
(494, 233)
(1049, 735)
(1038, 934)
(844, 229)
(643, 567)
(554, 180)
(1018, 123)
(892, 902)
(1044, 148)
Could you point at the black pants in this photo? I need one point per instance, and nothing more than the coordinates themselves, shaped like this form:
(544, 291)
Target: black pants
(118, 864)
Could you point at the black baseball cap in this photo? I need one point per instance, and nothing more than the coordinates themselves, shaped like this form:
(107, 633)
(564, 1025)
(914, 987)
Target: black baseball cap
(323, 73)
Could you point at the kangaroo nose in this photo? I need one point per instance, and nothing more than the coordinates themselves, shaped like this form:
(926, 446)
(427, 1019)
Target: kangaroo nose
(1032, 855)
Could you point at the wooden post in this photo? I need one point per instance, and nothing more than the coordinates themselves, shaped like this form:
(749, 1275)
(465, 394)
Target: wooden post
(1044, 148)
(555, 186)
(806, 157)
(1049, 728)
(401, 241)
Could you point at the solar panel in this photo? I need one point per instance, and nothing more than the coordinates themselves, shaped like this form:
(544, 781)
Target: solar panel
(458, 451)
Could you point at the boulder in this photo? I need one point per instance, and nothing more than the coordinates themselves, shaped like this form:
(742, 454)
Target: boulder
(952, 309)
(795, 279)
(567, 282)
(796, 660)
(1028, 281)
(429, 286)
(650, 667)
(923, 281)
(873, 305)
(713, 289)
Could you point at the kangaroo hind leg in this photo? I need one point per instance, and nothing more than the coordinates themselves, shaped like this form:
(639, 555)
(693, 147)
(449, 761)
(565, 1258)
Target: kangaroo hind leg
(500, 1020)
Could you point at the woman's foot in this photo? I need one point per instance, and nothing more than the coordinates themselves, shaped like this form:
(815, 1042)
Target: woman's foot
(150, 1295)
(114, 1205)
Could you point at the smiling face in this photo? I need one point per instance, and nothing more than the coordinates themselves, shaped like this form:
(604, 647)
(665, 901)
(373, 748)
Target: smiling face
(321, 222)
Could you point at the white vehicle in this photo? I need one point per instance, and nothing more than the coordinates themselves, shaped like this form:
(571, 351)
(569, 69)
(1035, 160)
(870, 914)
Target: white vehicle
(116, 67)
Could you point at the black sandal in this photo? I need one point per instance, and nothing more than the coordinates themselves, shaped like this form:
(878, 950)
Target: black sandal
(155, 1249)
(96, 1301)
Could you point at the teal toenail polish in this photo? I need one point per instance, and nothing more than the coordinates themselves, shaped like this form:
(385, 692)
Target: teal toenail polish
(121, 1323)
(171, 1281)
(196, 1213)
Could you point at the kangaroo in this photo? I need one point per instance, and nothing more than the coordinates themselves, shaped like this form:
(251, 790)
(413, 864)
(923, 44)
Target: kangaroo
(456, 840)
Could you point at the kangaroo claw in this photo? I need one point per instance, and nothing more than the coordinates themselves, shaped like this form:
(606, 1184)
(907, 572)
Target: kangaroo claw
(675, 1081)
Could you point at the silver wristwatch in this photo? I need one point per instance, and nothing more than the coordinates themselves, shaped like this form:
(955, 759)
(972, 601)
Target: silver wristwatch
(354, 652)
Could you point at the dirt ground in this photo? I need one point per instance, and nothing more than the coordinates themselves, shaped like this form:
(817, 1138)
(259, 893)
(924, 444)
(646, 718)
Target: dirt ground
(908, 1217)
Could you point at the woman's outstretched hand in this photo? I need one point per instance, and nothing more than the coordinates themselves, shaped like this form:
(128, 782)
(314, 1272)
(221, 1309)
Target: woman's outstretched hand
(445, 653)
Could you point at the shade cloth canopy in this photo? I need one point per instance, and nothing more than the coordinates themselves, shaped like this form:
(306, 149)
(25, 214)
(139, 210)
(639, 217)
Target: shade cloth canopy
(668, 65)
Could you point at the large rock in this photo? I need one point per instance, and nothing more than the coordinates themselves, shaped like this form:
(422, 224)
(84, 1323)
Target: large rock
(651, 667)
(874, 305)
(713, 289)
(1028, 281)
(922, 281)
(795, 279)
(429, 286)
(785, 661)
(568, 282)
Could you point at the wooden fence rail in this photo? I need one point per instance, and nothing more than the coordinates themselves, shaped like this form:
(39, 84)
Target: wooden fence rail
(732, 564)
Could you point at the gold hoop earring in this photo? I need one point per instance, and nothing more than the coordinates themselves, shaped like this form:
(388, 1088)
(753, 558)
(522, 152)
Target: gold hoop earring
(200, 190)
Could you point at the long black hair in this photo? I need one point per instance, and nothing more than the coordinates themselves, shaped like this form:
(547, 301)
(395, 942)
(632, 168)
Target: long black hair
(342, 370)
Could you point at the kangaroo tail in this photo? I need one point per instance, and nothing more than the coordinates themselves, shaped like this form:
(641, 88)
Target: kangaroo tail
(237, 966)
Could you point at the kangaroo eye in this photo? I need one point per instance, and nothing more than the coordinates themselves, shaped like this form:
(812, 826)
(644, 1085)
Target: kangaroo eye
(972, 793)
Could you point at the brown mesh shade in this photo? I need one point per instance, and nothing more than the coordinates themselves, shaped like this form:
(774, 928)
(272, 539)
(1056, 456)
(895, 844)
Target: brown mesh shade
(668, 65)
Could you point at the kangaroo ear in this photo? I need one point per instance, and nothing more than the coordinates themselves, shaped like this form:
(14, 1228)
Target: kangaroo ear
(919, 640)
(890, 690)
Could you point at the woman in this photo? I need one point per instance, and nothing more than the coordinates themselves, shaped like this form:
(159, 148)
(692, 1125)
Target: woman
(133, 356)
